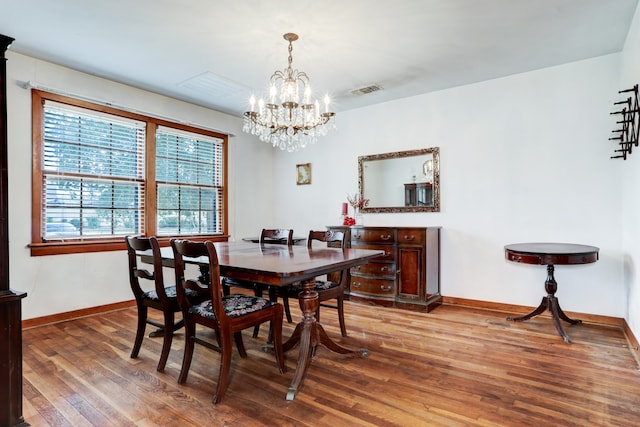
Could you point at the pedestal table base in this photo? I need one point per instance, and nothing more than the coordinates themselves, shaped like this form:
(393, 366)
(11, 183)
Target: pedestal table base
(308, 334)
(550, 302)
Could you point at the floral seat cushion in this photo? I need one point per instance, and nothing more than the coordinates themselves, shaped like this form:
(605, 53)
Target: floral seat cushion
(320, 285)
(234, 305)
(170, 291)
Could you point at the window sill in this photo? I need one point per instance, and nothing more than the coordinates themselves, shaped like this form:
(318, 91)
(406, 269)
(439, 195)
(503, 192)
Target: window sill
(76, 247)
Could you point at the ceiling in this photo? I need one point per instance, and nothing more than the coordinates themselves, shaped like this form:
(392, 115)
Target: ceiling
(216, 53)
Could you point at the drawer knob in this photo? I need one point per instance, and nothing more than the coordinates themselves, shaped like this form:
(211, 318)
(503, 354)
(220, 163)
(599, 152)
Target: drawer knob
(383, 269)
(387, 237)
(409, 237)
(356, 285)
(385, 288)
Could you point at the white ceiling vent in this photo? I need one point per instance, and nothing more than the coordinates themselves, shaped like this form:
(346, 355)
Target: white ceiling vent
(367, 89)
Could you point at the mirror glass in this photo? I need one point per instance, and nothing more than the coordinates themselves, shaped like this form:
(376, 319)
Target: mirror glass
(404, 181)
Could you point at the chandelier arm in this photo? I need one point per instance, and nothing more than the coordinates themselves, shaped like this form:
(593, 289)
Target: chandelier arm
(278, 75)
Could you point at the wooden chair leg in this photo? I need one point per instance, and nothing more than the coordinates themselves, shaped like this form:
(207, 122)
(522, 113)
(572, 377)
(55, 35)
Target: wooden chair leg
(142, 325)
(169, 325)
(273, 297)
(275, 326)
(287, 310)
(256, 331)
(217, 331)
(225, 367)
(240, 344)
(343, 328)
(189, 342)
(257, 290)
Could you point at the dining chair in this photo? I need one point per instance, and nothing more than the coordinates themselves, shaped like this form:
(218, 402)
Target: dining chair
(160, 297)
(275, 235)
(226, 315)
(283, 236)
(332, 288)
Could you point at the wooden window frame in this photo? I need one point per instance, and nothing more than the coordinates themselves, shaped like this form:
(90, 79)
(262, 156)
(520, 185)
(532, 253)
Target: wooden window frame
(39, 247)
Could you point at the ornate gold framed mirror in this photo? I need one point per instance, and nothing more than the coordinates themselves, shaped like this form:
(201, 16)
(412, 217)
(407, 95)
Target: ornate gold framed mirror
(402, 181)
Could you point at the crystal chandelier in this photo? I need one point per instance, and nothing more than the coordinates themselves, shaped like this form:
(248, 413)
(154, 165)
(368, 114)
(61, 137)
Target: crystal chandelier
(291, 125)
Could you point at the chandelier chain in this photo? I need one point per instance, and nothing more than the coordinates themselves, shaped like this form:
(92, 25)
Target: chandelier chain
(290, 57)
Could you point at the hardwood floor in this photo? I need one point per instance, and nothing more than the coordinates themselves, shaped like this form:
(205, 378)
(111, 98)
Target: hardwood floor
(454, 366)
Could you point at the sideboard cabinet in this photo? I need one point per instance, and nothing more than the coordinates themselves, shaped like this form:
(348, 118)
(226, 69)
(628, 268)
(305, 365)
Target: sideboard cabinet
(407, 275)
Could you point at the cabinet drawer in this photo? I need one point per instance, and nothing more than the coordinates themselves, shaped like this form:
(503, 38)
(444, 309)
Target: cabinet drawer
(410, 236)
(372, 286)
(375, 269)
(389, 252)
(382, 235)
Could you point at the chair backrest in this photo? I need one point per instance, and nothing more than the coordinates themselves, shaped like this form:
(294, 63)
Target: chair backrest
(330, 236)
(136, 244)
(327, 236)
(208, 282)
(277, 235)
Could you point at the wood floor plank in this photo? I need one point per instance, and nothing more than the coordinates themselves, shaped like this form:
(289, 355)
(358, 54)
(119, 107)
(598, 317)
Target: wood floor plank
(454, 366)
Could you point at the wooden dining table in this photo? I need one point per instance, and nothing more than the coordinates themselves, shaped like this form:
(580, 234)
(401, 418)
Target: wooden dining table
(279, 265)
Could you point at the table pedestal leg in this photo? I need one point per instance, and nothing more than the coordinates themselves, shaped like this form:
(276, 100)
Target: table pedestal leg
(308, 334)
(550, 302)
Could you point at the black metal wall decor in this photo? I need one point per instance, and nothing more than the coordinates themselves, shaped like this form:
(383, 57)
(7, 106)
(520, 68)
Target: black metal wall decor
(628, 130)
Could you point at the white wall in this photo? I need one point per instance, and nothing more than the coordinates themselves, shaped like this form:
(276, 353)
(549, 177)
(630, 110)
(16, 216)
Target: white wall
(523, 158)
(630, 183)
(61, 283)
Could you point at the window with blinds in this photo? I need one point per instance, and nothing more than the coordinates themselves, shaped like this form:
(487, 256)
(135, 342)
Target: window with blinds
(189, 182)
(92, 174)
(101, 173)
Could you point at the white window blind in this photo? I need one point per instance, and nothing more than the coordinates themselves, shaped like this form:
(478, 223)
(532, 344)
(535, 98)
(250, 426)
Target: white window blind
(92, 173)
(189, 177)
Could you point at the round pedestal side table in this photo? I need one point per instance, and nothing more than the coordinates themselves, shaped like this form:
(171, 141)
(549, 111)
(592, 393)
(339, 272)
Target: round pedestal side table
(550, 254)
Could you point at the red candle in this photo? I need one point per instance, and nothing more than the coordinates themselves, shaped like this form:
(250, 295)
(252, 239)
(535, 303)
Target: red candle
(345, 209)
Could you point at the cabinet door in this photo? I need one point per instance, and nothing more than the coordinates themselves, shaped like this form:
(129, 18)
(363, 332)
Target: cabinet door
(410, 272)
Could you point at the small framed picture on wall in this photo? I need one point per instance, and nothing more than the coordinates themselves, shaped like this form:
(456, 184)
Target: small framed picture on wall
(303, 174)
